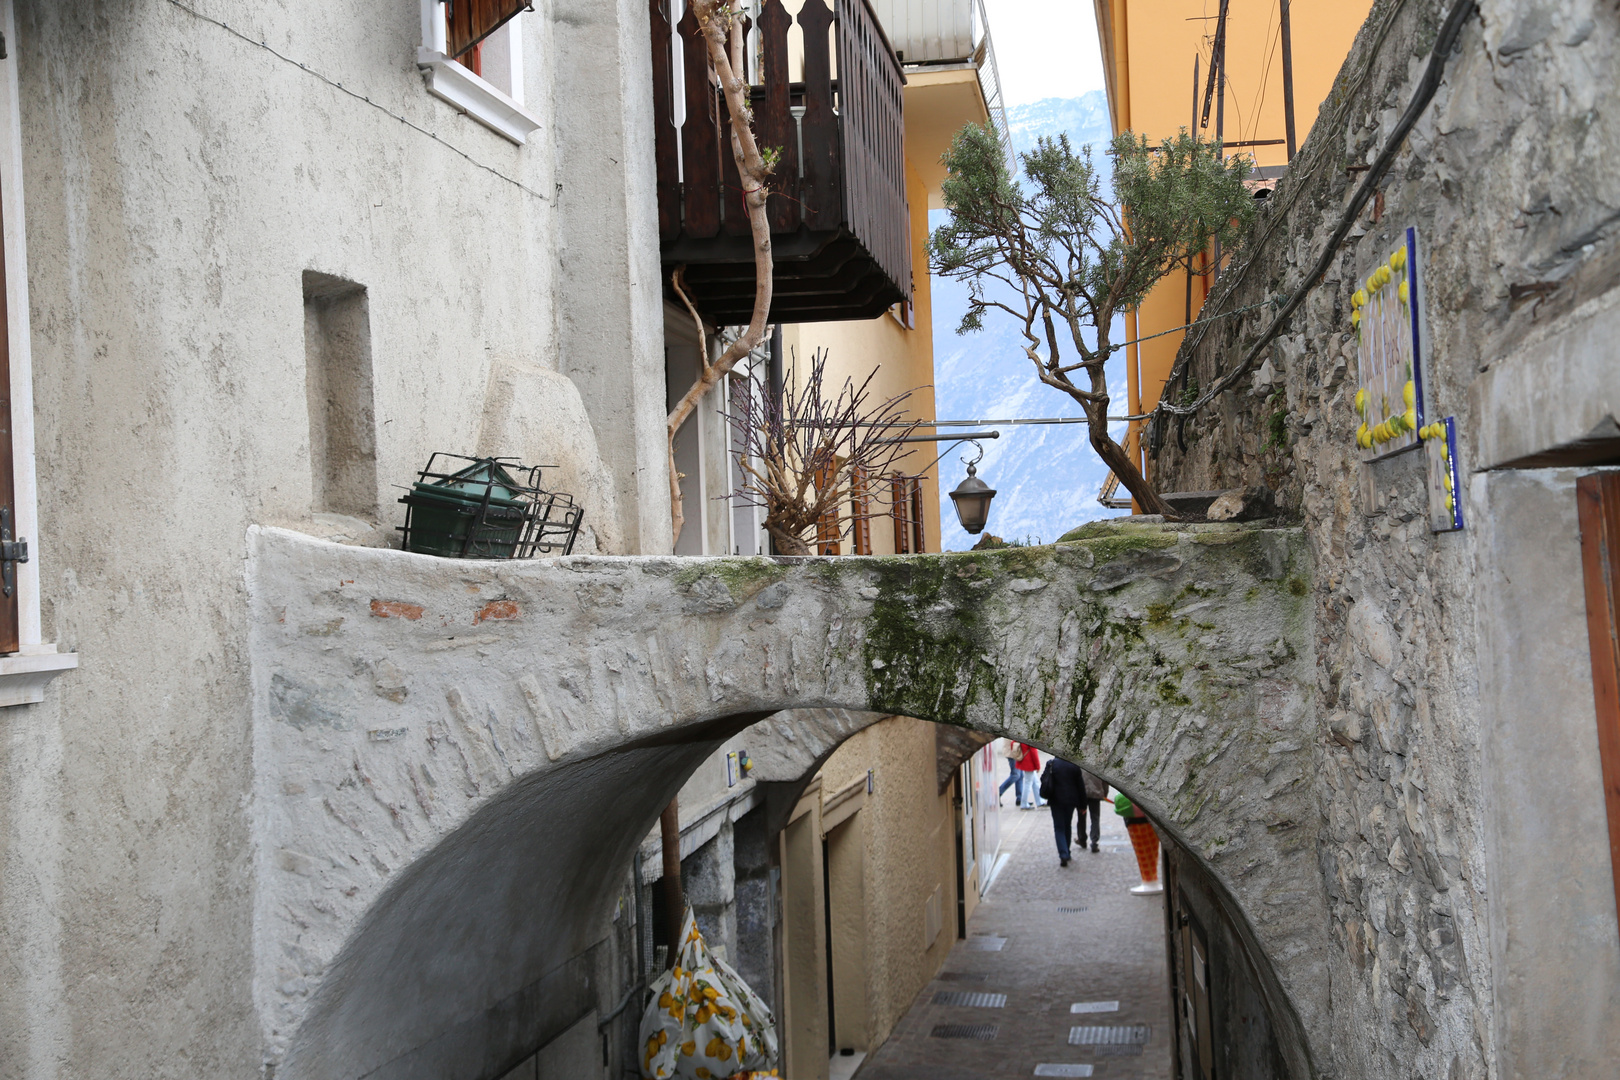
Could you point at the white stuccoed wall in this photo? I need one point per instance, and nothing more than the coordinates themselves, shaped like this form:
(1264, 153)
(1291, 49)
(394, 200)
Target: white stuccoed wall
(180, 178)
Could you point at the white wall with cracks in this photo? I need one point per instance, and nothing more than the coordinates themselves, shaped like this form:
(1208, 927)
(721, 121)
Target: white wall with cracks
(185, 164)
(455, 762)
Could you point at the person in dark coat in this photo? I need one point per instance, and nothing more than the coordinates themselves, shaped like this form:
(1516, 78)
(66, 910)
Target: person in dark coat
(1096, 792)
(1064, 786)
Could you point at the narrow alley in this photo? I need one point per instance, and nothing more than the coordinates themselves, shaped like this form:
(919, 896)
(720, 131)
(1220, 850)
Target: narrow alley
(1052, 955)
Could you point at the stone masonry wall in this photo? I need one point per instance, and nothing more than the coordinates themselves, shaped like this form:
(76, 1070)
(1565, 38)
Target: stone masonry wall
(1510, 179)
(401, 926)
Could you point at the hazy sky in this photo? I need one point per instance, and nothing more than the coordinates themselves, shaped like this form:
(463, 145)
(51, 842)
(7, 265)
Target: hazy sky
(1045, 48)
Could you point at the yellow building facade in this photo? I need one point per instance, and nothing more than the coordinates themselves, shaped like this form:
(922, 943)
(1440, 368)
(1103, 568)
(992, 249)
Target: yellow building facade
(1157, 57)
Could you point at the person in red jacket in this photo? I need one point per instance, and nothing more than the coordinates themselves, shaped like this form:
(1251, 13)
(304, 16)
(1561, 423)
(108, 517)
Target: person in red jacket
(1029, 767)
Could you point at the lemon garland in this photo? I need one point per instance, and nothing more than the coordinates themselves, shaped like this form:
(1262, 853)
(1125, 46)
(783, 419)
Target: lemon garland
(1437, 430)
(1395, 424)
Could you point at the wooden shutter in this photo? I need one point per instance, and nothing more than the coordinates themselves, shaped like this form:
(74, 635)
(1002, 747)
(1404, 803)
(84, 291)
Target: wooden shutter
(919, 539)
(467, 22)
(827, 525)
(1598, 499)
(860, 505)
(900, 510)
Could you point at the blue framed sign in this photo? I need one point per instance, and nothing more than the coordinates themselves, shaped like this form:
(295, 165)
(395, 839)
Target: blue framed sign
(1386, 314)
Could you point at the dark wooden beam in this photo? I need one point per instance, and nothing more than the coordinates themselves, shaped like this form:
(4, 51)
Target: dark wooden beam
(1598, 502)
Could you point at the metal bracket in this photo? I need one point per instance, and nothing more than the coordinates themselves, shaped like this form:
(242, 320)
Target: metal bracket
(12, 552)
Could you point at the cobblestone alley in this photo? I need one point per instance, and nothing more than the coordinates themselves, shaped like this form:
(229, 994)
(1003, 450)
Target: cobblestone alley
(1053, 941)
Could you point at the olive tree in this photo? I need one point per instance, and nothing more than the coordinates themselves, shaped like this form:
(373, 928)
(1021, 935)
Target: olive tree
(1063, 259)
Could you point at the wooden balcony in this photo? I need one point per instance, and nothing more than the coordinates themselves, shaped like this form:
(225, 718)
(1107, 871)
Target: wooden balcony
(837, 202)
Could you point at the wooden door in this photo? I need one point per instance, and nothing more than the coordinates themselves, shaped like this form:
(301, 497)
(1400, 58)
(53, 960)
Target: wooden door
(1195, 997)
(1598, 500)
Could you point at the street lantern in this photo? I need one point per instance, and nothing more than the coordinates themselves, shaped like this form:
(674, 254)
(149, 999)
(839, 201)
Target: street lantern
(972, 498)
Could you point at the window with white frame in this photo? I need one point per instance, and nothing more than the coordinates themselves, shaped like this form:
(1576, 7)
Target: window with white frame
(472, 58)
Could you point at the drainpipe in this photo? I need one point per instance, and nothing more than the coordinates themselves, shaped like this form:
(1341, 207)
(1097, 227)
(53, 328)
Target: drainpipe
(674, 898)
(1217, 68)
(778, 380)
(776, 366)
(1288, 78)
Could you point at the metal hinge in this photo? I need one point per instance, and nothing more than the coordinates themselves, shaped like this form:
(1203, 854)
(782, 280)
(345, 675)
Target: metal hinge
(12, 552)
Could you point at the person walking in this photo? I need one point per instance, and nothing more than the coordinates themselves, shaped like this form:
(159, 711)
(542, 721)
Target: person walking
(1029, 764)
(1065, 788)
(1095, 791)
(1015, 778)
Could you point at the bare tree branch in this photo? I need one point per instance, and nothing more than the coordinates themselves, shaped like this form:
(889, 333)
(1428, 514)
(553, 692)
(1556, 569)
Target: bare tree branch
(802, 460)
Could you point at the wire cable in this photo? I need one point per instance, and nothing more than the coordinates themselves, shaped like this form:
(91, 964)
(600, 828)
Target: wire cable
(229, 29)
(1444, 43)
(1316, 149)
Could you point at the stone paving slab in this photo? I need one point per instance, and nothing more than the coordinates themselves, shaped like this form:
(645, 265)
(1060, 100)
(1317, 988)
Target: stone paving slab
(1112, 949)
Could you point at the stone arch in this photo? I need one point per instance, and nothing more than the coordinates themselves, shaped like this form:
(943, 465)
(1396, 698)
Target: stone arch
(422, 727)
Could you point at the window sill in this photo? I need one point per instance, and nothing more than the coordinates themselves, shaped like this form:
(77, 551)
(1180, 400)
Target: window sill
(23, 676)
(449, 81)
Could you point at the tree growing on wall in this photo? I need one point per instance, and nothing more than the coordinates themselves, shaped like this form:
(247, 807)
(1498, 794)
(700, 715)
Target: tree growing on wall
(811, 460)
(1062, 259)
(723, 34)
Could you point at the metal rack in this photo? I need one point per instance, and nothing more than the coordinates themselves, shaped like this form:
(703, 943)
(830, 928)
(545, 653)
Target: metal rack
(486, 508)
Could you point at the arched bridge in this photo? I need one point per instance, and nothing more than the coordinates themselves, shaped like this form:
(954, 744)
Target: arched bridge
(455, 761)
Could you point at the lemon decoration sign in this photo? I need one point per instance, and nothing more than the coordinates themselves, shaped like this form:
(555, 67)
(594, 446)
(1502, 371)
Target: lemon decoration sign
(703, 1022)
(1389, 393)
(1445, 479)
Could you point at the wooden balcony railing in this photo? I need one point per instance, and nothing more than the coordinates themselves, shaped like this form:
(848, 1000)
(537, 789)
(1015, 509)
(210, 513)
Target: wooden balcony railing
(837, 204)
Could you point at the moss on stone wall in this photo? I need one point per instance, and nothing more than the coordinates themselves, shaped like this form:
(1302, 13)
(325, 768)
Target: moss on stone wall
(742, 577)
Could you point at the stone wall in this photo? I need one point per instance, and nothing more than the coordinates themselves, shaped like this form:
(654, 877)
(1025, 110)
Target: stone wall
(399, 824)
(1510, 179)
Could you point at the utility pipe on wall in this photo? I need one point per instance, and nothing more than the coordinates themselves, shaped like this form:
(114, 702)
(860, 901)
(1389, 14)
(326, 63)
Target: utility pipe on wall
(1288, 77)
(674, 897)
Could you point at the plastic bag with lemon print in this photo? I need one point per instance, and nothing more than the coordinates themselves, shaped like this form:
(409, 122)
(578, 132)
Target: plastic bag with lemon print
(703, 1022)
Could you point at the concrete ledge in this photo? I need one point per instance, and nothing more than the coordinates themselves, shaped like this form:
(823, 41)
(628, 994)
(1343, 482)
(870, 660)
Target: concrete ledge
(1559, 389)
(24, 676)
(449, 81)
